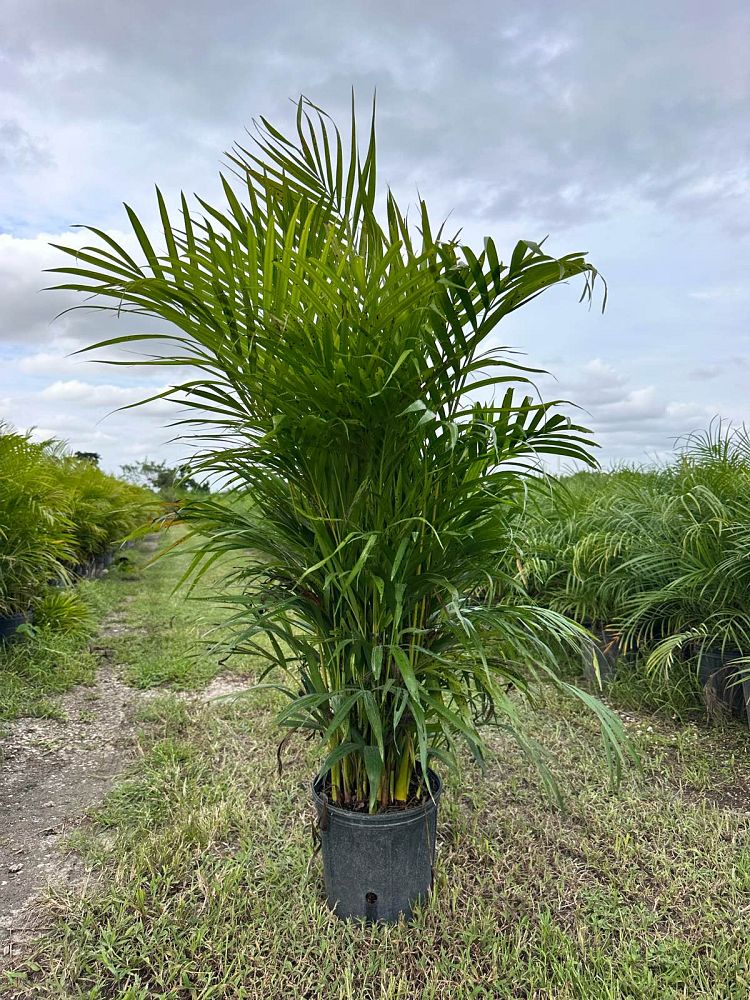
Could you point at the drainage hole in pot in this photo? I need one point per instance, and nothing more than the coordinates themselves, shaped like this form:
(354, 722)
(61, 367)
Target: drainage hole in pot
(371, 897)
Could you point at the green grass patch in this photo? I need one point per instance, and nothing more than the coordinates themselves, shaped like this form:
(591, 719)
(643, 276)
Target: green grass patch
(207, 889)
(163, 638)
(36, 668)
(679, 694)
(171, 641)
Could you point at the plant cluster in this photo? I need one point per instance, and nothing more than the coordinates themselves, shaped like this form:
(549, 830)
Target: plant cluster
(657, 559)
(57, 514)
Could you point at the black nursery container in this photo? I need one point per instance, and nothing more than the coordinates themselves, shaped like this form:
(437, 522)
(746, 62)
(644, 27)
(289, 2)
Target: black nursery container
(605, 650)
(9, 624)
(102, 562)
(719, 677)
(377, 867)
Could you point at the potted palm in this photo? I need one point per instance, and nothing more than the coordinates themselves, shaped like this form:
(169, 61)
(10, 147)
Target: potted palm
(103, 510)
(35, 532)
(571, 545)
(694, 610)
(332, 358)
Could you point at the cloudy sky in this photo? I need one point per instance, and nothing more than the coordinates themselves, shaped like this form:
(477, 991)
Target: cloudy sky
(619, 129)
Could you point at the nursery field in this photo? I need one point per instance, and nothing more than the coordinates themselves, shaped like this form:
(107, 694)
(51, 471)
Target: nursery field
(384, 554)
(194, 874)
(654, 562)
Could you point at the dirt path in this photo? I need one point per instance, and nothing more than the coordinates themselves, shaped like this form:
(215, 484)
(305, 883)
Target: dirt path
(51, 772)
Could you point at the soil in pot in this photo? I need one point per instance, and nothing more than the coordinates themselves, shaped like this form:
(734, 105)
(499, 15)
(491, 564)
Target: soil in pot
(377, 867)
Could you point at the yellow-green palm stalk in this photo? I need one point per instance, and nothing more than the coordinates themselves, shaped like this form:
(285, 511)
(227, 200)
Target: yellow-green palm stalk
(331, 349)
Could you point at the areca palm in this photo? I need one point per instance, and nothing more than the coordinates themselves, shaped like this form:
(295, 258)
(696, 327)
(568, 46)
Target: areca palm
(56, 512)
(697, 600)
(658, 557)
(35, 529)
(330, 355)
(101, 509)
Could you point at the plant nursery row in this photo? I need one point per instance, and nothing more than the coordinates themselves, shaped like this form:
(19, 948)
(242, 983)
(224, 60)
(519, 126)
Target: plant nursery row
(654, 562)
(61, 518)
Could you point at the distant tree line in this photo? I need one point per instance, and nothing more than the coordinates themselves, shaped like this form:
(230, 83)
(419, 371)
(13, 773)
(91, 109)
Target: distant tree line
(168, 481)
(88, 456)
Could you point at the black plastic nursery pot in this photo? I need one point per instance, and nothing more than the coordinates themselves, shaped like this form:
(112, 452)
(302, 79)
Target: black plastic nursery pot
(604, 650)
(377, 867)
(85, 570)
(9, 624)
(719, 678)
(94, 566)
(102, 562)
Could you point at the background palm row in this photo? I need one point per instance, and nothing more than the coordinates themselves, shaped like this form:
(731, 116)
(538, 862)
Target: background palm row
(57, 515)
(656, 560)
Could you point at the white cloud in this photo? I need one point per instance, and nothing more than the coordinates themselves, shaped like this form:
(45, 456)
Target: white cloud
(720, 293)
(705, 373)
(615, 129)
(20, 151)
(30, 313)
(599, 382)
(630, 422)
(90, 394)
(86, 414)
(635, 406)
(57, 362)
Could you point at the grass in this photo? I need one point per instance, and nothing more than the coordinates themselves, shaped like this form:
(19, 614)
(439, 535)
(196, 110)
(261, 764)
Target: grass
(170, 641)
(680, 694)
(35, 669)
(207, 888)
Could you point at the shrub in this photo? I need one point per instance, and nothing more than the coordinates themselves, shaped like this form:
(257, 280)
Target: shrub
(64, 611)
(656, 556)
(56, 513)
(102, 509)
(36, 540)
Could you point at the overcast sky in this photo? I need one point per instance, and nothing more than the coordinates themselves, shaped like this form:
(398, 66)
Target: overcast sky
(619, 129)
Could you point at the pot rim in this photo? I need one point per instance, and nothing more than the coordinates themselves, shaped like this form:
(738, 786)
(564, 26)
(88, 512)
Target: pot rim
(394, 818)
